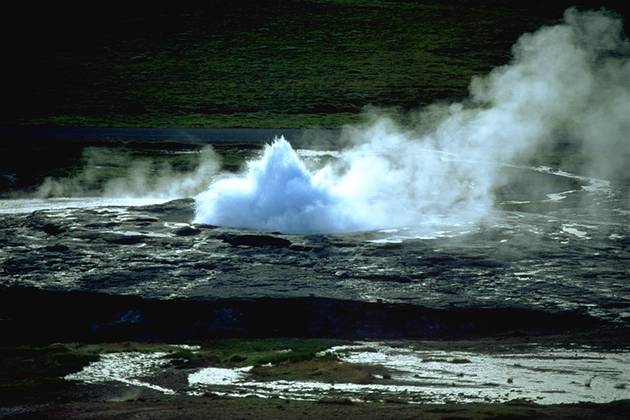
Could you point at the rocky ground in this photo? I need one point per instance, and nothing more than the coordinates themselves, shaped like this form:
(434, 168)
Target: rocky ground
(546, 273)
(548, 262)
(110, 273)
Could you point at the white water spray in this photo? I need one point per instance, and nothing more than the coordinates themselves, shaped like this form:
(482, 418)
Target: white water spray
(276, 193)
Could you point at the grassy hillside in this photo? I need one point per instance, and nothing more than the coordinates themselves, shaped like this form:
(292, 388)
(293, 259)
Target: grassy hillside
(294, 63)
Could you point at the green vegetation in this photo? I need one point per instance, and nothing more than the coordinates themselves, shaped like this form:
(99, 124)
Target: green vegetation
(273, 359)
(30, 381)
(29, 370)
(26, 372)
(321, 369)
(298, 63)
(238, 352)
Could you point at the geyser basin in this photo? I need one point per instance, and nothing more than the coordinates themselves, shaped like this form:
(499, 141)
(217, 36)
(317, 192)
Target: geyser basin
(366, 188)
(561, 245)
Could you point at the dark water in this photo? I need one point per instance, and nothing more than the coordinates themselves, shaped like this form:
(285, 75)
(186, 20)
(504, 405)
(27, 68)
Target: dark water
(564, 248)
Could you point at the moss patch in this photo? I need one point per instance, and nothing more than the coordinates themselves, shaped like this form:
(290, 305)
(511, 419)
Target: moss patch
(238, 353)
(321, 370)
(27, 370)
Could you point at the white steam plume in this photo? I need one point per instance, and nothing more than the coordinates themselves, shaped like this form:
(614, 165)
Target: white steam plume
(139, 178)
(568, 82)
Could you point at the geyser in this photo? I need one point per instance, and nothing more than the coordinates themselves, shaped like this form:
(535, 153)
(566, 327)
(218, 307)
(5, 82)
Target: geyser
(565, 83)
(276, 193)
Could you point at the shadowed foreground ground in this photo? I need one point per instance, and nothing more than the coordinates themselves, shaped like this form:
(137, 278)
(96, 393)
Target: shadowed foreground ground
(206, 408)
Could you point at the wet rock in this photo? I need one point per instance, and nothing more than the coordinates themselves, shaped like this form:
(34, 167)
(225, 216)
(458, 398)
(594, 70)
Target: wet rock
(101, 225)
(18, 265)
(342, 244)
(385, 278)
(147, 220)
(455, 361)
(120, 239)
(205, 265)
(57, 248)
(179, 211)
(39, 221)
(205, 226)
(255, 240)
(170, 206)
(186, 231)
(303, 248)
(86, 235)
(52, 229)
(104, 250)
(118, 279)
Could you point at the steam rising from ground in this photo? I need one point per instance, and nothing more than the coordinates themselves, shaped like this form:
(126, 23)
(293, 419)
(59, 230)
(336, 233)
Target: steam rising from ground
(110, 174)
(566, 83)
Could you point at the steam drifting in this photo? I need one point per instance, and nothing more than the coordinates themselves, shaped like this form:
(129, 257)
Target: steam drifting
(568, 82)
(140, 178)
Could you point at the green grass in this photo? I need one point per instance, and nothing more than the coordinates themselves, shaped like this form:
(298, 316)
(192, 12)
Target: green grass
(321, 369)
(30, 376)
(238, 352)
(300, 63)
(29, 370)
(279, 359)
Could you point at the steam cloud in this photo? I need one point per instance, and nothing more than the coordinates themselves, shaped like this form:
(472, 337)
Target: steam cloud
(142, 178)
(568, 82)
